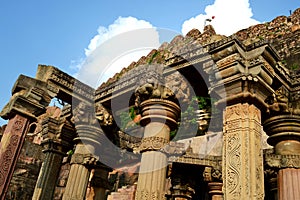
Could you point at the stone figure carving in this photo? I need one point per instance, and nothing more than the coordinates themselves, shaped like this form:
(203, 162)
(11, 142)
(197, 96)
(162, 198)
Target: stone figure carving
(152, 85)
(84, 114)
(278, 102)
(103, 115)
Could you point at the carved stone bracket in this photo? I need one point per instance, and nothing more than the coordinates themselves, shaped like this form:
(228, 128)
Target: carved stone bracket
(84, 114)
(211, 174)
(152, 85)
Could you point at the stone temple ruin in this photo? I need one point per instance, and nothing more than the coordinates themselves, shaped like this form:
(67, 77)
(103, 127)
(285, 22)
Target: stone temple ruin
(202, 117)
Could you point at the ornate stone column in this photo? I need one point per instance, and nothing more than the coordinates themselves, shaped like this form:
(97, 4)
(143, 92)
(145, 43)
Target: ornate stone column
(159, 116)
(47, 179)
(242, 153)
(29, 100)
(99, 183)
(84, 159)
(55, 148)
(284, 135)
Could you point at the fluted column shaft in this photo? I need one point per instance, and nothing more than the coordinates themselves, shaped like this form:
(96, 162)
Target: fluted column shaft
(82, 161)
(158, 116)
(46, 183)
(79, 174)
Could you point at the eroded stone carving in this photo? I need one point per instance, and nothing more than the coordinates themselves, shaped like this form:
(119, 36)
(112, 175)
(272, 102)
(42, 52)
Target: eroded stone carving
(84, 114)
(279, 101)
(104, 117)
(152, 85)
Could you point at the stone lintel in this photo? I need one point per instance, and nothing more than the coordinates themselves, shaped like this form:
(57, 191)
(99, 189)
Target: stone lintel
(64, 86)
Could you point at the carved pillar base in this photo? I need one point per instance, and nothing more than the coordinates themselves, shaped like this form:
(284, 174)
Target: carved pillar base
(158, 115)
(242, 153)
(289, 184)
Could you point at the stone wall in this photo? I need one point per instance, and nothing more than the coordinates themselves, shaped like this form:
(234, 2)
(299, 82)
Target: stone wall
(282, 32)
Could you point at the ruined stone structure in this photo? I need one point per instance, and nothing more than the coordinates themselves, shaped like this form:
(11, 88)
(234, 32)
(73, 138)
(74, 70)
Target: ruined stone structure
(202, 117)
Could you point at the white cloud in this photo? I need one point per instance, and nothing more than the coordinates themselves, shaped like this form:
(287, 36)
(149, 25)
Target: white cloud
(230, 17)
(115, 47)
(121, 25)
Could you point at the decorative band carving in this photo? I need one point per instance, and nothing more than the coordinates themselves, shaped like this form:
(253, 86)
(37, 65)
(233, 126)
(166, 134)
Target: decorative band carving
(282, 161)
(152, 144)
(84, 159)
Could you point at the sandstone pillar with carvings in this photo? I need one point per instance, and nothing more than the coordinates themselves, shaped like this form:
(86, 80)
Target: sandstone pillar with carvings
(242, 153)
(82, 161)
(284, 135)
(84, 158)
(49, 171)
(159, 117)
(155, 101)
(55, 148)
(29, 100)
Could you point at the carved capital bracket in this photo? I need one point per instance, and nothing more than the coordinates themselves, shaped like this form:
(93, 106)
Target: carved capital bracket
(29, 98)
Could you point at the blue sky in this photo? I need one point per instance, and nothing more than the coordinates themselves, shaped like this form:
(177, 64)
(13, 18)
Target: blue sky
(58, 32)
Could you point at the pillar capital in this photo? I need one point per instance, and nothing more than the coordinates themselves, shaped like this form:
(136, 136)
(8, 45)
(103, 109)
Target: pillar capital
(284, 133)
(29, 98)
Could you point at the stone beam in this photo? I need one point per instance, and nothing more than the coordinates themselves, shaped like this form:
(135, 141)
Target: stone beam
(64, 86)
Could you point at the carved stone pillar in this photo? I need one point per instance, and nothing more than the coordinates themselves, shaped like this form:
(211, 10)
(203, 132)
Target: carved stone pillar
(242, 153)
(10, 147)
(215, 190)
(159, 117)
(82, 161)
(289, 184)
(47, 179)
(284, 135)
(55, 148)
(28, 101)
